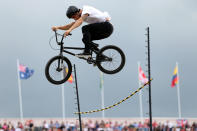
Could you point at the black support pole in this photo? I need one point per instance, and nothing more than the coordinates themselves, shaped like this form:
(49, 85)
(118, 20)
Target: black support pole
(149, 77)
(78, 105)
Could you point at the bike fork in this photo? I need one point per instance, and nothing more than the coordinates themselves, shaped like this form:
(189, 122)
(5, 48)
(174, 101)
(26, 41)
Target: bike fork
(60, 63)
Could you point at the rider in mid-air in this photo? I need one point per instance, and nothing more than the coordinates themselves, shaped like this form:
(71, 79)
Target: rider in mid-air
(98, 28)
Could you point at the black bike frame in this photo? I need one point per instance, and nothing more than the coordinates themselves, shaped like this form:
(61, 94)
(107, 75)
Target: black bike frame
(61, 43)
(63, 49)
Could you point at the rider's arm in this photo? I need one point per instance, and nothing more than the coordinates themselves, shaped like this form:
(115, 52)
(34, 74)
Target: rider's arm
(78, 22)
(65, 27)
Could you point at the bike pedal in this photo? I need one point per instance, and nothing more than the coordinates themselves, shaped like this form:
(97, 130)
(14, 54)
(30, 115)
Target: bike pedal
(94, 65)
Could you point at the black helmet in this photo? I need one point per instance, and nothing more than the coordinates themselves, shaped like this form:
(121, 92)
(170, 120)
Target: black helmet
(72, 10)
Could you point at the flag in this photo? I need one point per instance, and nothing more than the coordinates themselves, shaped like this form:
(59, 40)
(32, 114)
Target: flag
(101, 80)
(25, 72)
(142, 76)
(70, 79)
(175, 77)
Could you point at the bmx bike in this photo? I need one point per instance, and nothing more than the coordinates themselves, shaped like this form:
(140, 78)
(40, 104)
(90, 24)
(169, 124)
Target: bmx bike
(109, 59)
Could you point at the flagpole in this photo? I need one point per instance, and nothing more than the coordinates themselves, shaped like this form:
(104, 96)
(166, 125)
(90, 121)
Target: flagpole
(63, 102)
(178, 93)
(63, 106)
(140, 96)
(102, 94)
(20, 94)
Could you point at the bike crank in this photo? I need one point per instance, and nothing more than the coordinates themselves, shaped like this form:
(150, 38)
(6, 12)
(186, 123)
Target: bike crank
(91, 61)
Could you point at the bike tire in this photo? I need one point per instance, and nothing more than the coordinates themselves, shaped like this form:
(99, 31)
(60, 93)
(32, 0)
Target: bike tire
(103, 51)
(64, 76)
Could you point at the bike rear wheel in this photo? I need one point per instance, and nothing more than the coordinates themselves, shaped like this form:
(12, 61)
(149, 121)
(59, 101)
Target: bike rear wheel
(110, 59)
(58, 70)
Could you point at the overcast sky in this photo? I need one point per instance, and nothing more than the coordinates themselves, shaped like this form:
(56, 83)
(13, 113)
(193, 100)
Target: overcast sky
(25, 30)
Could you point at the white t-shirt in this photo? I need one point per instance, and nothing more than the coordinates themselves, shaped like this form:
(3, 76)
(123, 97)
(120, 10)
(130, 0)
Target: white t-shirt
(95, 15)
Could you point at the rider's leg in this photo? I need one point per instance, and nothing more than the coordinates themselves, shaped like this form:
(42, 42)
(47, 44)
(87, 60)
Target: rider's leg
(95, 31)
(86, 39)
(101, 30)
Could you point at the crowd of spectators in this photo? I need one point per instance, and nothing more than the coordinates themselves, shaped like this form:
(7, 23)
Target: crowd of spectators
(101, 125)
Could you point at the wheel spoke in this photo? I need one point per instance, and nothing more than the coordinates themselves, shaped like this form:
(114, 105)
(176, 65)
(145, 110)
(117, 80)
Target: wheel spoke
(58, 69)
(114, 62)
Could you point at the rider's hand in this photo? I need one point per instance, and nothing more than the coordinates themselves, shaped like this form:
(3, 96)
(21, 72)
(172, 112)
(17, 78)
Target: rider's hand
(108, 19)
(67, 33)
(54, 28)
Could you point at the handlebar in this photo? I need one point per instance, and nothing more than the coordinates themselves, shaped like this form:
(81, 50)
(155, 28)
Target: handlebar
(61, 39)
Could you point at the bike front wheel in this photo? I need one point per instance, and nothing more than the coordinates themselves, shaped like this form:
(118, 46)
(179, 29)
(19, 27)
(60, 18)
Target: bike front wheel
(58, 70)
(110, 59)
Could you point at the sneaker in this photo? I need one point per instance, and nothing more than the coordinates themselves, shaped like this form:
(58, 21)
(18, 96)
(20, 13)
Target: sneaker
(95, 46)
(94, 65)
(84, 55)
